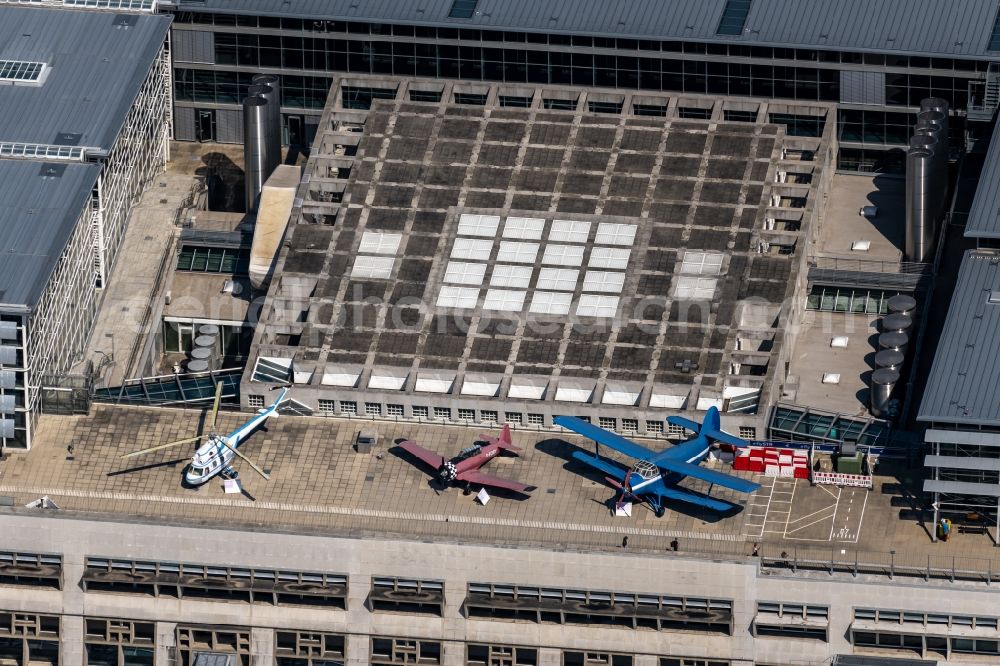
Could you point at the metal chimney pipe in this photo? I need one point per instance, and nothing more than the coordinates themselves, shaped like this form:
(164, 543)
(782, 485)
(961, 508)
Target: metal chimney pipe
(254, 148)
(883, 381)
(902, 303)
(889, 358)
(919, 185)
(274, 114)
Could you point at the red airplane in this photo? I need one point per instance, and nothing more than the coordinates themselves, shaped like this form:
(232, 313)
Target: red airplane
(465, 466)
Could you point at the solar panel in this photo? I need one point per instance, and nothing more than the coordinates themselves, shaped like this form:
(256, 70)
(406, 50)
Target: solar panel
(569, 231)
(527, 228)
(471, 248)
(550, 302)
(591, 305)
(376, 242)
(609, 233)
(505, 300)
(603, 281)
(559, 279)
(372, 267)
(563, 255)
(518, 253)
(21, 71)
(457, 297)
(609, 257)
(478, 225)
(695, 288)
(460, 272)
(511, 276)
(734, 17)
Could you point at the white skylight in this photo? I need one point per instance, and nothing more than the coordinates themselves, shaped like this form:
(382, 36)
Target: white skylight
(471, 248)
(434, 382)
(478, 225)
(550, 302)
(377, 242)
(372, 267)
(591, 305)
(610, 233)
(505, 275)
(457, 297)
(460, 272)
(603, 281)
(569, 231)
(518, 253)
(505, 300)
(695, 288)
(559, 279)
(526, 228)
(701, 263)
(563, 255)
(609, 257)
(21, 71)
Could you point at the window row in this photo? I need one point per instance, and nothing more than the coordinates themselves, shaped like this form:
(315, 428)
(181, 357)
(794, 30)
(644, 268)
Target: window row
(723, 49)
(926, 619)
(31, 569)
(922, 645)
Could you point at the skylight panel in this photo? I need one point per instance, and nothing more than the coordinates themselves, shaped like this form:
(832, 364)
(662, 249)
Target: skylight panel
(526, 228)
(610, 233)
(550, 302)
(372, 267)
(457, 297)
(517, 253)
(569, 231)
(471, 248)
(563, 255)
(559, 279)
(609, 257)
(460, 272)
(701, 263)
(695, 288)
(734, 17)
(994, 44)
(21, 71)
(603, 281)
(511, 276)
(376, 242)
(478, 225)
(591, 305)
(505, 300)
(463, 9)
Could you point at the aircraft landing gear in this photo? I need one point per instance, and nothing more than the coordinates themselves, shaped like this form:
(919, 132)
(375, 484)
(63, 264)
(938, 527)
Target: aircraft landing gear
(230, 473)
(659, 511)
(467, 490)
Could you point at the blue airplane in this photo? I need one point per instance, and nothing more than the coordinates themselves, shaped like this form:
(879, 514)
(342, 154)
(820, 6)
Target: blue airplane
(655, 475)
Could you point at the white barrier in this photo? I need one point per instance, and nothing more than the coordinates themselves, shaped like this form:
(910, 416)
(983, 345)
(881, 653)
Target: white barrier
(835, 479)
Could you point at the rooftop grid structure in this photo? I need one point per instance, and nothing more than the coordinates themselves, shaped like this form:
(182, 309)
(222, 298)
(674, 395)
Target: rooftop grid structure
(551, 260)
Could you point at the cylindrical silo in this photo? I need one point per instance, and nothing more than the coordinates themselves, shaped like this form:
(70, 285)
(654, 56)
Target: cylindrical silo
(897, 322)
(919, 223)
(895, 340)
(889, 358)
(903, 304)
(273, 143)
(274, 115)
(883, 381)
(254, 147)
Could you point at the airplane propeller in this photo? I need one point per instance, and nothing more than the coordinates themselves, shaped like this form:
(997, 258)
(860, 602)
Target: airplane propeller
(213, 417)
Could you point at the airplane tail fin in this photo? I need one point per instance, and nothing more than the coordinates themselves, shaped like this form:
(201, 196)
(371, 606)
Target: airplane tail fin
(725, 438)
(506, 441)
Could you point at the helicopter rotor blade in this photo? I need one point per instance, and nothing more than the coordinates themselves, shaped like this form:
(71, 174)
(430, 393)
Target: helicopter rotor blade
(245, 459)
(215, 406)
(163, 446)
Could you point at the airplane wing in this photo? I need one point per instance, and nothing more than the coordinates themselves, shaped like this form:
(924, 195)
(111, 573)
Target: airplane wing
(614, 470)
(433, 459)
(479, 478)
(675, 493)
(688, 424)
(602, 436)
(710, 475)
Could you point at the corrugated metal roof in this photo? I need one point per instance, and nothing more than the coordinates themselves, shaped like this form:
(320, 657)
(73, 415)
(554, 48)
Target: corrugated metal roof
(964, 383)
(903, 26)
(37, 216)
(97, 70)
(984, 216)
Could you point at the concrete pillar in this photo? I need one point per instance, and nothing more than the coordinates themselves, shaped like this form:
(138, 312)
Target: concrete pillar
(261, 646)
(645, 660)
(71, 649)
(453, 653)
(549, 657)
(166, 644)
(356, 652)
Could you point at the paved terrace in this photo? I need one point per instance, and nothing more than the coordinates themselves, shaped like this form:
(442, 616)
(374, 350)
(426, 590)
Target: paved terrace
(320, 484)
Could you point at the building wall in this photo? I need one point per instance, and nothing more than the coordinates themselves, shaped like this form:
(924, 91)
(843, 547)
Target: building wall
(742, 584)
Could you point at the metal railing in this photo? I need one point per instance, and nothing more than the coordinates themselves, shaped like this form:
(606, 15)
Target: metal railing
(869, 265)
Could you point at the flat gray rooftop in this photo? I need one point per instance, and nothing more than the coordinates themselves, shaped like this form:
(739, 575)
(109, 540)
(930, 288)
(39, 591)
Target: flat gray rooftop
(96, 63)
(40, 204)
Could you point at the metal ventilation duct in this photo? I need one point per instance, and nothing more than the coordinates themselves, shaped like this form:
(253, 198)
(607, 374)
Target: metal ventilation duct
(883, 381)
(273, 119)
(897, 322)
(902, 304)
(254, 147)
(889, 358)
(919, 185)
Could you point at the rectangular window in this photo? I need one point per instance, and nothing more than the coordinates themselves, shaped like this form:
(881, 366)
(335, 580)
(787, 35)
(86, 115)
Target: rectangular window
(420, 412)
(20, 71)
(443, 413)
(514, 418)
(734, 16)
(630, 425)
(675, 431)
(489, 416)
(373, 409)
(327, 407)
(607, 422)
(466, 415)
(655, 427)
(536, 419)
(463, 9)
(255, 401)
(401, 595)
(394, 410)
(748, 432)
(348, 407)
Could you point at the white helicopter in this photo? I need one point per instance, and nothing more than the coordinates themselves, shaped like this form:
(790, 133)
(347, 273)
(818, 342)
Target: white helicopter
(216, 455)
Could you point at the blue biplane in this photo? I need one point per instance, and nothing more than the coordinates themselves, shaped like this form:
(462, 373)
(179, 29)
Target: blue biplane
(653, 478)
